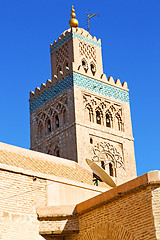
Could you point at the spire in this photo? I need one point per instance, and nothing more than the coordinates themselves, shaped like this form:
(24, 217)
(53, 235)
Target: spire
(73, 22)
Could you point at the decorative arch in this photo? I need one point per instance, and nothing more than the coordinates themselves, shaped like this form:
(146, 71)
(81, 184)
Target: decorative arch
(56, 118)
(84, 64)
(57, 151)
(59, 71)
(65, 66)
(106, 231)
(109, 119)
(89, 111)
(112, 109)
(48, 126)
(99, 115)
(118, 122)
(64, 115)
(49, 152)
(108, 157)
(93, 67)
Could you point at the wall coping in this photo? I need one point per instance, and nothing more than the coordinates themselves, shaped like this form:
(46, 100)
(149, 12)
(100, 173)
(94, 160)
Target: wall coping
(51, 177)
(54, 212)
(150, 178)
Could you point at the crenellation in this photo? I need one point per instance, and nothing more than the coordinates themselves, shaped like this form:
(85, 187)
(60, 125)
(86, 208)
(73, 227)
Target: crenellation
(124, 84)
(37, 91)
(94, 38)
(48, 83)
(103, 77)
(59, 39)
(43, 87)
(31, 95)
(80, 70)
(118, 82)
(111, 80)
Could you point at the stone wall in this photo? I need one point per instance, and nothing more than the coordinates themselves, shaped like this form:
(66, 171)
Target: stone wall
(156, 208)
(130, 211)
(22, 192)
(19, 197)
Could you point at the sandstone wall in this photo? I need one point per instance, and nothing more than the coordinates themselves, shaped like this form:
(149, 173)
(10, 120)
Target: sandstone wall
(19, 197)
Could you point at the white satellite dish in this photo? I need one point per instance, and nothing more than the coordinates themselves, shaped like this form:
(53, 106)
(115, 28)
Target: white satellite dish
(100, 172)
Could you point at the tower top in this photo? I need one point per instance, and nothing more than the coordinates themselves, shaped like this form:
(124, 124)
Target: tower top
(73, 22)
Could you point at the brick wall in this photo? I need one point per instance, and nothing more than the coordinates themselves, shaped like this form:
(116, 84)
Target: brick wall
(130, 211)
(156, 208)
(19, 197)
(130, 215)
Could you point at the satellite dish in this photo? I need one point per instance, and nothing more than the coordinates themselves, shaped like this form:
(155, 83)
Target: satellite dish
(100, 172)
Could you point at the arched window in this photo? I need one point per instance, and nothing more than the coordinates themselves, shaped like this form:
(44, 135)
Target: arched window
(93, 68)
(103, 165)
(111, 172)
(56, 152)
(57, 121)
(118, 123)
(98, 117)
(59, 71)
(49, 152)
(108, 120)
(85, 65)
(48, 126)
(67, 65)
(89, 113)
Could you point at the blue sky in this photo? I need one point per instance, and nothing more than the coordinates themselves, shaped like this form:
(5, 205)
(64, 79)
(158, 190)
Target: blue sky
(130, 34)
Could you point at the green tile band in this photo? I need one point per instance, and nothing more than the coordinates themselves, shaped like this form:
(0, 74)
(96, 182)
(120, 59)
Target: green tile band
(79, 81)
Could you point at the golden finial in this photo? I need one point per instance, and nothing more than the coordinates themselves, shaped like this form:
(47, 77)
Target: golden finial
(73, 22)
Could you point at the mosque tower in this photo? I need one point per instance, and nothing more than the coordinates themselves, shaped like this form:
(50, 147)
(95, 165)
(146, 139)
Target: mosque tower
(80, 113)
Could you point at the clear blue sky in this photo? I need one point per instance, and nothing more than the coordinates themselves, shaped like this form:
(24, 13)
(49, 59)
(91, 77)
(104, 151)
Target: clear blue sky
(130, 34)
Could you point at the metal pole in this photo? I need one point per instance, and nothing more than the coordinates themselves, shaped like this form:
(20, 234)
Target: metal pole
(88, 22)
(89, 16)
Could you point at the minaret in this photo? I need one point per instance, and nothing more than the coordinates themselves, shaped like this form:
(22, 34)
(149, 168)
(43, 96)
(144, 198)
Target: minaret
(80, 113)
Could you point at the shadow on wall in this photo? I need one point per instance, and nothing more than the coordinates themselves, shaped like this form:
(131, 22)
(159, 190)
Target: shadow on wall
(102, 231)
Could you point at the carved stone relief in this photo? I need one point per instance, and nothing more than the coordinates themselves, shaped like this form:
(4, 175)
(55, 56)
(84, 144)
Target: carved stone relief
(88, 51)
(62, 54)
(51, 118)
(106, 110)
(106, 152)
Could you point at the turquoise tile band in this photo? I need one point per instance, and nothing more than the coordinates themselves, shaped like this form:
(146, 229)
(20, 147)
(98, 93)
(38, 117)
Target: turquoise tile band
(51, 93)
(90, 41)
(80, 81)
(100, 87)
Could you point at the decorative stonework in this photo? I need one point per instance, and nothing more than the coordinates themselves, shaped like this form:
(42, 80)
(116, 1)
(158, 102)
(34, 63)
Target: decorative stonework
(88, 51)
(80, 81)
(107, 110)
(51, 93)
(62, 54)
(51, 118)
(80, 37)
(104, 151)
(100, 87)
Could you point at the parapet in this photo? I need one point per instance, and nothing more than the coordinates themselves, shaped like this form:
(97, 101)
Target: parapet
(110, 81)
(73, 32)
